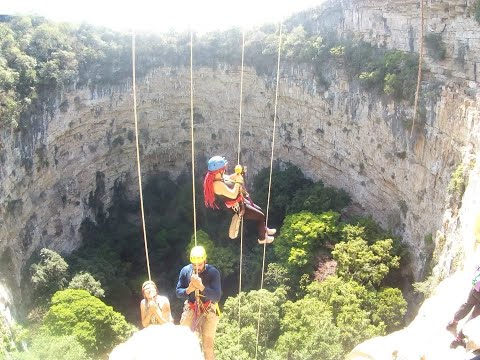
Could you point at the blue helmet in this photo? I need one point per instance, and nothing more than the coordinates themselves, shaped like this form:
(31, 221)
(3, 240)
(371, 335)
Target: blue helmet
(216, 163)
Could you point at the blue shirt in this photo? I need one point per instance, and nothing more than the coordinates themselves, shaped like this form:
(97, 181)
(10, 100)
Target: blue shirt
(210, 279)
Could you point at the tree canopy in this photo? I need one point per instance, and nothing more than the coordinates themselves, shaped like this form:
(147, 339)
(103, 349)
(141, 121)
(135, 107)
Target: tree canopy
(95, 325)
(85, 281)
(49, 275)
(301, 236)
(367, 264)
(63, 347)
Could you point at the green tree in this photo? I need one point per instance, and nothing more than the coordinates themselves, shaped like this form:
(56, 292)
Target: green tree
(457, 184)
(48, 38)
(301, 236)
(232, 342)
(59, 70)
(253, 305)
(356, 326)
(294, 45)
(9, 104)
(400, 70)
(337, 293)
(276, 276)
(49, 275)
(359, 313)
(356, 260)
(87, 282)
(95, 325)
(11, 337)
(361, 57)
(389, 307)
(308, 332)
(63, 347)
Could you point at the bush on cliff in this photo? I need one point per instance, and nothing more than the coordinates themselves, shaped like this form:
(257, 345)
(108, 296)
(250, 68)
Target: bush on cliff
(64, 347)
(95, 325)
(48, 275)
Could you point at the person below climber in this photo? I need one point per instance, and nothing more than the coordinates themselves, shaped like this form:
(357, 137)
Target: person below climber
(473, 301)
(154, 308)
(199, 284)
(229, 189)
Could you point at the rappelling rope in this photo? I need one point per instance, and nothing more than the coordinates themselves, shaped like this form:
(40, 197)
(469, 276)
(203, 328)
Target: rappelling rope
(192, 138)
(420, 60)
(241, 99)
(138, 154)
(198, 302)
(238, 162)
(269, 180)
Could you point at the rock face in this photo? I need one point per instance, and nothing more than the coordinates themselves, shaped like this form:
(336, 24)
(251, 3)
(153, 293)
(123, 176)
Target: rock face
(168, 341)
(66, 166)
(457, 247)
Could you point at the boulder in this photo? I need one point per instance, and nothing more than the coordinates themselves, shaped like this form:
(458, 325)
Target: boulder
(166, 342)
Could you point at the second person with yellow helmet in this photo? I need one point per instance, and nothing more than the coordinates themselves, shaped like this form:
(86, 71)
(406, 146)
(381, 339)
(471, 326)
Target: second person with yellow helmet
(199, 284)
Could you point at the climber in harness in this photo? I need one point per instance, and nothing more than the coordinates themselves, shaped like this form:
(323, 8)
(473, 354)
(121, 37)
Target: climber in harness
(154, 309)
(230, 191)
(199, 283)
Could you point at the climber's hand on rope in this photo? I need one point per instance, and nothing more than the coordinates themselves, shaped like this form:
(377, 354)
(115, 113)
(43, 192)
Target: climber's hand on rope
(190, 288)
(152, 308)
(196, 281)
(237, 178)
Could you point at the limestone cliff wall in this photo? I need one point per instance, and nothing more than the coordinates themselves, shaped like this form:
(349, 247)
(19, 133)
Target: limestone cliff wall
(65, 167)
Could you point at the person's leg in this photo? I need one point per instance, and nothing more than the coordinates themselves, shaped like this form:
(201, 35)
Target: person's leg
(472, 300)
(476, 311)
(234, 226)
(187, 316)
(209, 327)
(252, 213)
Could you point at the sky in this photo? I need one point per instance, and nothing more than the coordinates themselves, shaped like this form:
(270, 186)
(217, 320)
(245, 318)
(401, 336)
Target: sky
(161, 15)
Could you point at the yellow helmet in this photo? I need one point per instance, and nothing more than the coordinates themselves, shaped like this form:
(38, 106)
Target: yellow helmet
(198, 255)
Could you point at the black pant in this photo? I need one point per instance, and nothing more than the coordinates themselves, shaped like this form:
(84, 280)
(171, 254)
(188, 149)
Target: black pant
(254, 213)
(472, 300)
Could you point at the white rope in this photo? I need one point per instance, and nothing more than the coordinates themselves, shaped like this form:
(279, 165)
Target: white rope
(138, 154)
(241, 99)
(420, 61)
(269, 180)
(192, 138)
(238, 162)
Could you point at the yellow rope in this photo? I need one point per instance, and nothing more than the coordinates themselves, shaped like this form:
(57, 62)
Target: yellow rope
(197, 292)
(193, 144)
(238, 162)
(420, 60)
(241, 98)
(270, 178)
(240, 283)
(138, 154)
